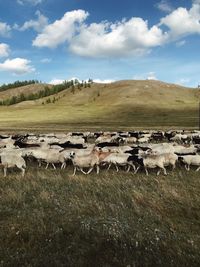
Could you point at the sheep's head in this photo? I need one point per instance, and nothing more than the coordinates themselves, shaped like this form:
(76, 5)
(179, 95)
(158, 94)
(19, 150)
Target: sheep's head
(72, 154)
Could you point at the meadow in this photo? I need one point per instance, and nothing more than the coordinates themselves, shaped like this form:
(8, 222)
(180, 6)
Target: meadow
(123, 105)
(50, 218)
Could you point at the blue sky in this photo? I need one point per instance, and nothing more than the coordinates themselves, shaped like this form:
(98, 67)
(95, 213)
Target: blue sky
(106, 40)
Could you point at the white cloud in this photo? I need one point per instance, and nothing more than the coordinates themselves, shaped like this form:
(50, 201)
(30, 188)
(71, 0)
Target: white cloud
(56, 81)
(61, 30)
(182, 22)
(4, 50)
(38, 25)
(125, 38)
(4, 29)
(32, 2)
(183, 81)
(133, 37)
(145, 76)
(151, 76)
(180, 43)
(60, 81)
(165, 6)
(46, 60)
(17, 66)
(103, 81)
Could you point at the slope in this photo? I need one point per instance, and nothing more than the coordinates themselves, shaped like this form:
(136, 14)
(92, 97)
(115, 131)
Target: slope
(120, 105)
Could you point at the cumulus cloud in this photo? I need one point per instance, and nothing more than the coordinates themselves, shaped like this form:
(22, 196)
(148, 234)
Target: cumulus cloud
(61, 30)
(4, 50)
(17, 66)
(132, 37)
(4, 29)
(182, 22)
(32, 2)
(164, 6)
(38, 25)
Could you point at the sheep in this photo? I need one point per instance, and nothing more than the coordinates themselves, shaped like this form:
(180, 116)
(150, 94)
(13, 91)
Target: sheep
(85, 161)
(170, 160)
(191, 160)
(118, 159)
(149, 161)
(50, 156)
(10, 159)
(130, 140)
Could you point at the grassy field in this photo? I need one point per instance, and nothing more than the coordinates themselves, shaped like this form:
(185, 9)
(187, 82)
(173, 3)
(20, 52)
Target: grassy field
(49, 218)
(120, 105)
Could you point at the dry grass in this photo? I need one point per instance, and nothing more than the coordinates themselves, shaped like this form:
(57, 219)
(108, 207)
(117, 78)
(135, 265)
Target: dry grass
(121, 105)
(49, 218)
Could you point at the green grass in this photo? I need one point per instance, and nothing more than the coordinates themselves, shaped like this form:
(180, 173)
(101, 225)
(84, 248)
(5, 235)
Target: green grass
(117, 106)
(49, 218)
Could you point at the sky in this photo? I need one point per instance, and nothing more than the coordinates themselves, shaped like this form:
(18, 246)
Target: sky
(106, 40)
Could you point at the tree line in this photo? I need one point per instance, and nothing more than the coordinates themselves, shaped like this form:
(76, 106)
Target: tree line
(47, 91)
(16, 84)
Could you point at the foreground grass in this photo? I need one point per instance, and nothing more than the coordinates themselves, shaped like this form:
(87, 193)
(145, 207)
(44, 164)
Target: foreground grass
(49, 218)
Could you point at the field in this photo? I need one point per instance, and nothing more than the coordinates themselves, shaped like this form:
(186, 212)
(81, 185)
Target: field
(120, 105)
(50, 218)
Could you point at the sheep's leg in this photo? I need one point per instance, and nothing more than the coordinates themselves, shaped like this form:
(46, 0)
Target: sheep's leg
(74, 171)
(5, 171)
(53, 166)
(187, 167)
(90, 170)
(63, 166)
(164, 170)
(109, 166)
(146, 171)
(197, 169)
(117, 169)
(158, 173)
(39, 163)
(136, 170)
(47, 165)
(98, 169)
(128, 169)
(23, 171)
(82, 171)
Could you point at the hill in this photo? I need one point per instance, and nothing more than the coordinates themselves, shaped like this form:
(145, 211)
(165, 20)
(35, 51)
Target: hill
(26, 90)
(120, 105)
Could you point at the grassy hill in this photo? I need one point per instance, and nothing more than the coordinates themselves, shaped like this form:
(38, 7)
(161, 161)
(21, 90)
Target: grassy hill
(26, 90)
(120, 105)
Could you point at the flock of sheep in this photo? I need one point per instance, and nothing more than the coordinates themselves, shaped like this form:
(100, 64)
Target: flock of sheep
(132, 150)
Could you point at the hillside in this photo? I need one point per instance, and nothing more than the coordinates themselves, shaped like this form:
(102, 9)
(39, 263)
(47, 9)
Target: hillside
(122, 104)
(26, 90)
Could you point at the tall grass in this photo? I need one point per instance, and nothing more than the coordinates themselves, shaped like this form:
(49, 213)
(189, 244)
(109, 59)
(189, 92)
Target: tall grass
(50, 218)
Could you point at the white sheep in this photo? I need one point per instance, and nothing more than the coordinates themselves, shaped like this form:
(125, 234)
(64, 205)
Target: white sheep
(191, 160)
(11, 159)
(85, 161)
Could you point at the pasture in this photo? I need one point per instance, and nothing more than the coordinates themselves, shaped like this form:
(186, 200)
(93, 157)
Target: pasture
(51, 218)
(122, 105)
